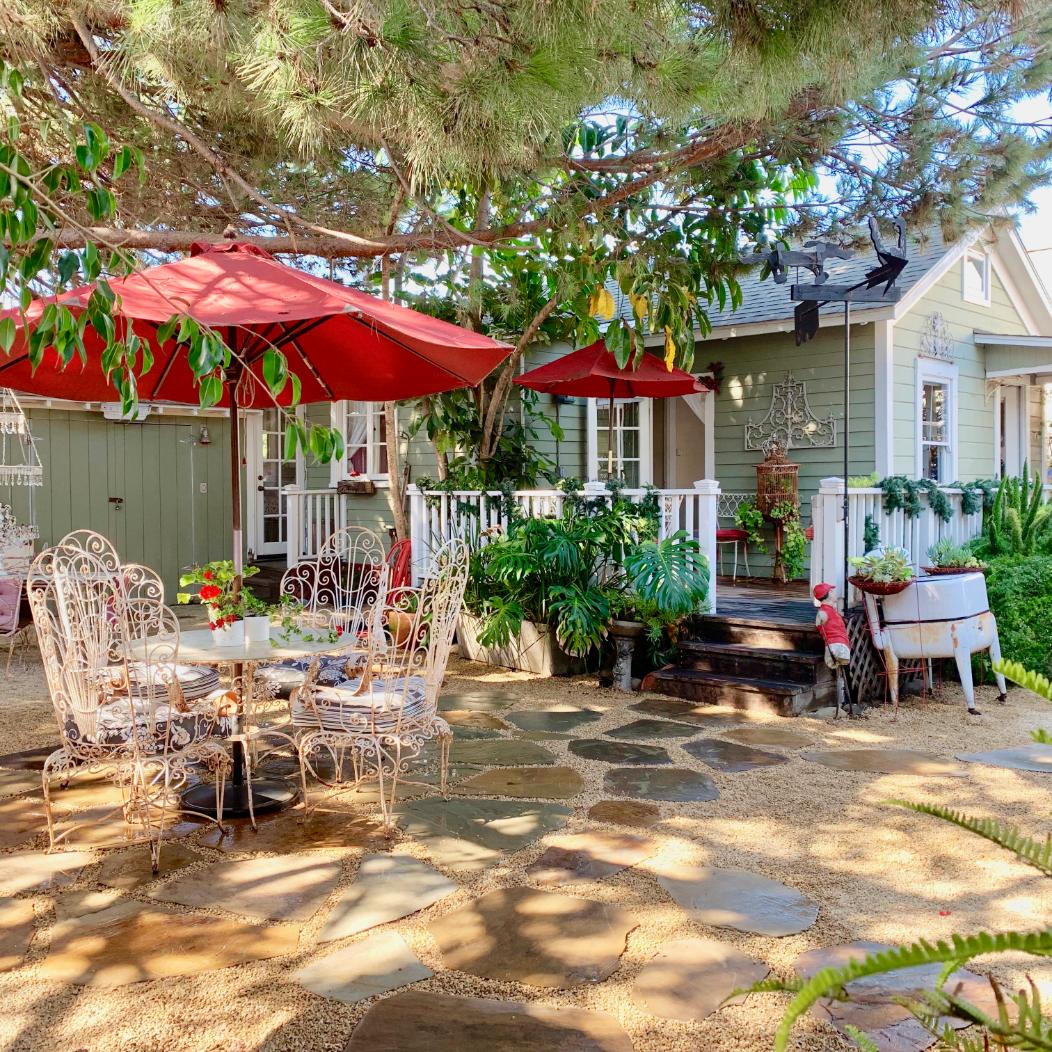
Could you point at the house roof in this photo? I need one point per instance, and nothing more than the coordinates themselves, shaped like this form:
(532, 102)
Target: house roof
(765, 301)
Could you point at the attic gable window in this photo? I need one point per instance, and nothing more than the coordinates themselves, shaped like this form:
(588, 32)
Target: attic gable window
(976, 280)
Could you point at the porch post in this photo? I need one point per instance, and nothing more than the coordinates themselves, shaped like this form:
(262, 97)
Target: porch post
(827, 549)
(417, 516)
(708, 498)
(293, 525)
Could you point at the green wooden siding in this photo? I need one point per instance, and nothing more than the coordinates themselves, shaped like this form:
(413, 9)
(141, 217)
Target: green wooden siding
(158, 467)
(975, 411)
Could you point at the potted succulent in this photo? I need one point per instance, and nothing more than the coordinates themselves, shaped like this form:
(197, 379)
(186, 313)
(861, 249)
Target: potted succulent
(226, 609)
(946, 557)
(883, 571)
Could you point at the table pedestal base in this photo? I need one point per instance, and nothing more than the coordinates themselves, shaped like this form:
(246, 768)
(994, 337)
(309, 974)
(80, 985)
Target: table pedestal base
(268, 794)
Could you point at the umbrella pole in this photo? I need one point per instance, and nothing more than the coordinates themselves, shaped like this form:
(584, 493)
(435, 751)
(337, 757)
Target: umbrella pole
(235, 480)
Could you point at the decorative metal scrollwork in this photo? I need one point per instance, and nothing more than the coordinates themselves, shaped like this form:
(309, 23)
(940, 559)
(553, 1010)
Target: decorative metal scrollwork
(790, 422)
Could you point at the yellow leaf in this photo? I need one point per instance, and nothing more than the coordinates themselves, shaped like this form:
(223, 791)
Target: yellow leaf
(593, 303)
(640, 304)
(670, 349)
(607, 307)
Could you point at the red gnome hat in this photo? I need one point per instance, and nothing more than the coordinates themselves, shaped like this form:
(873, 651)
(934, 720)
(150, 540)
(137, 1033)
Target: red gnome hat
(821, 591)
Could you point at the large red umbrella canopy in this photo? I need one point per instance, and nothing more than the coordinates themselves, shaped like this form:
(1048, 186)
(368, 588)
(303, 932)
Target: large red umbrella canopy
(593, 372)
(339, 342)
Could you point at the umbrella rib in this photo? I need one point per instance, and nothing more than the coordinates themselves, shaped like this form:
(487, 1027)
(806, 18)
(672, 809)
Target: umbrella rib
(314, 372)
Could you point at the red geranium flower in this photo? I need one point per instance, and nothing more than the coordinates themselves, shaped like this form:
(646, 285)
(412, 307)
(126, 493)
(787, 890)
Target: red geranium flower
(339, 631)
(212, 625)
(210, 591)
(208, 575)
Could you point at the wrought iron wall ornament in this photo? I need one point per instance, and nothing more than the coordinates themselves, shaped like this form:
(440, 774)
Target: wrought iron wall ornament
(937, 341)
(790, 422)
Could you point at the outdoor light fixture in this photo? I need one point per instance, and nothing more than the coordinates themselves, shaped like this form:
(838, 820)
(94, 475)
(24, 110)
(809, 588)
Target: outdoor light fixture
(204, 438)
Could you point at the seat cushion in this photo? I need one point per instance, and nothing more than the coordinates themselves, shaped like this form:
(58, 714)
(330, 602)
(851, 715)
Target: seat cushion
(196, 681)
(732, 535)
(114, 727)
(288, 675)
(378, 709)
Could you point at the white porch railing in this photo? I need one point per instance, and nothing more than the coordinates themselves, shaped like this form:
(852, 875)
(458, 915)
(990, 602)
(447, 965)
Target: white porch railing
(916, 535)
(438, 516)
(311, 516)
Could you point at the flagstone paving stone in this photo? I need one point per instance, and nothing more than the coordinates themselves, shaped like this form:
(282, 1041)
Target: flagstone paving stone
(21, 819)
(421, 1021)
(559, 720)
(378, 964)
(704, 716)
(281, 887)
(677, 784)
(885, 761)
(135, 941)
(535, 937)
(730, 756)
(28, 759)
(69, 904)
(104, 827)
(644, 729)
(16, 931)
(738, 899)
(16, 781)
(572, 857)
(619, 752)
(321, 829)
(386, 888)
(785, 737)
(503, 753)
(474, 720)
(874, 1005)
(542, 736)
(477, 701)
(544, 783)
(132, 868)
(469, 835)
(689, 979)
(1033, 757)
(36, 871)
(625, 813)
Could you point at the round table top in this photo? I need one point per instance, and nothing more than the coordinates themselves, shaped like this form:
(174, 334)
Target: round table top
(197, 647)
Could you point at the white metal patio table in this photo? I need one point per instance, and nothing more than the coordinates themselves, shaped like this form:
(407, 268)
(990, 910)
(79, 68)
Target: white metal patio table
(197, 647)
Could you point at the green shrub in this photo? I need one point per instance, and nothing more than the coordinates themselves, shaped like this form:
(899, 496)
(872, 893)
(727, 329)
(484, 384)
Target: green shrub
(1020, 590)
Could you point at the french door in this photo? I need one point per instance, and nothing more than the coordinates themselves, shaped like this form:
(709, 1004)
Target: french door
(273, 474)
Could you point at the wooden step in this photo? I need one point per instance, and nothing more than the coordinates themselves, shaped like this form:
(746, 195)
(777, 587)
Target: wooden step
(741, 692)
(764, 633)
(740, 659)
(266, 584)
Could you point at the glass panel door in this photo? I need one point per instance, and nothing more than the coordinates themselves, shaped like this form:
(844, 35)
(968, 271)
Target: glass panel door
(275, 473)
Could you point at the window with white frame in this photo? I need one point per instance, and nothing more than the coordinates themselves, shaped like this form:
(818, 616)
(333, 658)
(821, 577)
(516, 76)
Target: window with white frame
(632, 440)
(936, 421)
(976, 280)
(365, 437)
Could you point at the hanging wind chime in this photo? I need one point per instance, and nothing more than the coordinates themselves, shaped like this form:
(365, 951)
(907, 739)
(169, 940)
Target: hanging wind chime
(19, 467)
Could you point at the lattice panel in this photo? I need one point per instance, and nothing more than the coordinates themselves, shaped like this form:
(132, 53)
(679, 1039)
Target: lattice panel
(866, 671)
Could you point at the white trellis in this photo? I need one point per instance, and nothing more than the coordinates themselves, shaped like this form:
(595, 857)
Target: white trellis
(790, 422)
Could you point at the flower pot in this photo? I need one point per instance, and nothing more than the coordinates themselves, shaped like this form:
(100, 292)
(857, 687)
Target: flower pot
(627, 629)
(946, 571)
(535, 649)
(399, 625)
(863, 584)
(230, 635)
(257, 629)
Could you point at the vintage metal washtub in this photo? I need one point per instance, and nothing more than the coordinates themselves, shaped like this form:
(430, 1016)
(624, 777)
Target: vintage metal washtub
(936, 617)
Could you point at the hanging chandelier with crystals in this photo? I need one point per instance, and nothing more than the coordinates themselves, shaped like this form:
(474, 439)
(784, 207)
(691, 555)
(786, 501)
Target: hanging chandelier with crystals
(19, 463)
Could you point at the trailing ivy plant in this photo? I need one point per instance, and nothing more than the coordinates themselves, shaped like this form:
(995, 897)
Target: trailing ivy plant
(870, 534)
(900, 491)
(793, 553)
(748, 517)
(1020, 1021)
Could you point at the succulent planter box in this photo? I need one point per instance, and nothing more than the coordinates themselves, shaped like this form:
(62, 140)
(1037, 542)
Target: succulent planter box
(362, 487)
(535, 649)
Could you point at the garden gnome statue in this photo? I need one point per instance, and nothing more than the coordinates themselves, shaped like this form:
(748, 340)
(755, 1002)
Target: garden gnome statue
(833, 631)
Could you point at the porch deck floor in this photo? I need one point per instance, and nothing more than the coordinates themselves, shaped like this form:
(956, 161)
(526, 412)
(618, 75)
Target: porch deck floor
(764, 601)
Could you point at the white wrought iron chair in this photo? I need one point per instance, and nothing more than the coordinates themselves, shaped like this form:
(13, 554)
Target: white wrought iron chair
(13, 629)
(124, 705)
(383, 716)
(338, 589)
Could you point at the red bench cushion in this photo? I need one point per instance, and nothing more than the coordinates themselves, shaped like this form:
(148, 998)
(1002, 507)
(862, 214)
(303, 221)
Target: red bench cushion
(732, 535)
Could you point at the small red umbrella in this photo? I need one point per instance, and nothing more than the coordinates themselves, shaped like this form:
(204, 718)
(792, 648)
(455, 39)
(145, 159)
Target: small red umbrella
(340, 343)
(593, 372)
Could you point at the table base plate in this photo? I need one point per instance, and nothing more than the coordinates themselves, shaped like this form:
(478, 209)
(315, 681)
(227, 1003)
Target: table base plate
(268, 794)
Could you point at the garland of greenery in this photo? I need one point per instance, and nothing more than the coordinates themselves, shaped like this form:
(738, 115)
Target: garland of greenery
(900, 491)
(794, 543)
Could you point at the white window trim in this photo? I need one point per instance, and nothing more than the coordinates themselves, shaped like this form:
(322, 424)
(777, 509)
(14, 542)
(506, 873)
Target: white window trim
(338, 468)
(983, 300)
(646, 438)
(931, 371)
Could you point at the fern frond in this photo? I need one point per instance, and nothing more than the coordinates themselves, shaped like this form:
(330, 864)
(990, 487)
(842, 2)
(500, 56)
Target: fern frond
(861, 1038)
(1026, 849)
(957, 950)
(1028, 678)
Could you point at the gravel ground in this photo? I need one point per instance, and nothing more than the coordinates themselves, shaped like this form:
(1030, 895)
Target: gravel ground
(877, 872)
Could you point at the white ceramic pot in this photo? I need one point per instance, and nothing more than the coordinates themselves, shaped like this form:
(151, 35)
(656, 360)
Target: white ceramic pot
(232, 635)
(257, 629)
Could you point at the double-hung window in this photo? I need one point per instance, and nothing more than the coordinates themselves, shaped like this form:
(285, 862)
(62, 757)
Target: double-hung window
(936, 421)
(363, 425)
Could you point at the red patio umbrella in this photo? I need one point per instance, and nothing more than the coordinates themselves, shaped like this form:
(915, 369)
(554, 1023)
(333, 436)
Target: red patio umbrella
(593, 372)
(342, 344)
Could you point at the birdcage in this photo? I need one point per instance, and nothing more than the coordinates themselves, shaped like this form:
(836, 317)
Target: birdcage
(776, 480)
